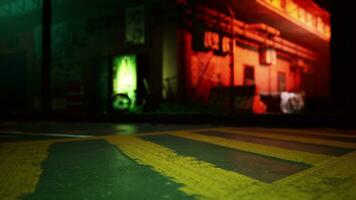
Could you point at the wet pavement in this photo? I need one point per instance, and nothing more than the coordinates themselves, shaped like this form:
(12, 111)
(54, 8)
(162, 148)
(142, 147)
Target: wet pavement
(48, 160)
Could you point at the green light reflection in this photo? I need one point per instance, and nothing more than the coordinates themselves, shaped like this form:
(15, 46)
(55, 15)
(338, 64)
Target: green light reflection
(124, 80)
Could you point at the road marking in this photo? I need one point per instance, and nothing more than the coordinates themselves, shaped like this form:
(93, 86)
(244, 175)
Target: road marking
(264, 168)
(45, 134)
(298, 131)
(20, 168)
(292, 155)
(290, 138)
(333, 180)
(199, 178)
(161, 132)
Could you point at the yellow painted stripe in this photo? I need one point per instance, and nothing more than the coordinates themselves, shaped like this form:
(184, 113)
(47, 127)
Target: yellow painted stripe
(290, 138)
(292, 155)
(20, 169)
(160, 132)
(299, 131)
(49, 141)
(198, 178)
(334, 180)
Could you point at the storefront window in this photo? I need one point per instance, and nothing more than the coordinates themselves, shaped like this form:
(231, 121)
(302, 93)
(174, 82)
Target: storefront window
(249, 75)
(281, 82)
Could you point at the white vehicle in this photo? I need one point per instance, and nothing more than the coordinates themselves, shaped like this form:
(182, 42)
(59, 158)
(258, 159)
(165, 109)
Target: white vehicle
(292, 102)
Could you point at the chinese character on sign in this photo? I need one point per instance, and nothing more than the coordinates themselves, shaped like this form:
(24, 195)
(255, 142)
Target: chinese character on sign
(225, 48)
(207, 40)
(211, 40)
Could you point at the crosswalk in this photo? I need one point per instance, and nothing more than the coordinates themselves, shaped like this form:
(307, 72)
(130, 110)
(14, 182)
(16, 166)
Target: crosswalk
(287, 137)
(292, 155)
(215, 163)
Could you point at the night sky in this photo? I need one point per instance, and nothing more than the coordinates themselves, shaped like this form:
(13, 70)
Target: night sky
(323, 3)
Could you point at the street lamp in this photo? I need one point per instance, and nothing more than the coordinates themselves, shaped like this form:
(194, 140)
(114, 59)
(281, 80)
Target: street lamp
(46, 57)
(229, 4)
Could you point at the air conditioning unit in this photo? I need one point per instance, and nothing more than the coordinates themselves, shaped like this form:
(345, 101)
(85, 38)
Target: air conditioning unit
(268, 56)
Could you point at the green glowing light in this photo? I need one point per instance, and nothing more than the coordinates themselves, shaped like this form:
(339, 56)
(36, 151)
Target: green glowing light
(124, 81)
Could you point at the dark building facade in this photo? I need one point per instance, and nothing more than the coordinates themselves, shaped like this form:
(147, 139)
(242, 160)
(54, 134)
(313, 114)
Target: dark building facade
(177, 51)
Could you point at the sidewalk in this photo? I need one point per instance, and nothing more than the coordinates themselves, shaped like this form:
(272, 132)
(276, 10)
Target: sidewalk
(329, 120)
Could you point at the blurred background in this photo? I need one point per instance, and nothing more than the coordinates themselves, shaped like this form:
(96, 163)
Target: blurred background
(97, 58)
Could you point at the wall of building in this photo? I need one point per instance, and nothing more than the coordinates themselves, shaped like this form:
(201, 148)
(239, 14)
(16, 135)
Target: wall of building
(265, 76)
(170, 61)
(321, 73)
(83, 43)
(19, 67)
(206, 70)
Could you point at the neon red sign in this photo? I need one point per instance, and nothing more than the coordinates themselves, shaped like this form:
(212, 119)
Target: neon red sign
(217, 42)
(211, 40)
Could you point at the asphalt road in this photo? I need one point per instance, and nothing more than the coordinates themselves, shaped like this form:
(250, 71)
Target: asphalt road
(143, 161)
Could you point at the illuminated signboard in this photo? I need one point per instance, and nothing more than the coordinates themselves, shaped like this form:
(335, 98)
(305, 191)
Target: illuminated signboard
(217, 42)
(211, 40)
(205, 40)
(225, 47)
(124, 81)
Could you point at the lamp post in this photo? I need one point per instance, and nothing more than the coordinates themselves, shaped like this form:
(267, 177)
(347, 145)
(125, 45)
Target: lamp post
(46, 57)
(232, 56)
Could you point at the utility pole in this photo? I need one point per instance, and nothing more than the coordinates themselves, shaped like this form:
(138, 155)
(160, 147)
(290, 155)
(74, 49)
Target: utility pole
(46, 57)
(232, 57)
